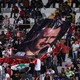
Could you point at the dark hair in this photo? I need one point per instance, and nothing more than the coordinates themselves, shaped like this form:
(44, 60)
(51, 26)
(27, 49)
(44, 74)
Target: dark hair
(36, 56)
(9, 66)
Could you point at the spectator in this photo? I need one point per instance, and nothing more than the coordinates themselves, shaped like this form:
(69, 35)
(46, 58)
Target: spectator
(77, 2)
(70, 3)
(6, 22)
(8, 2)
(69, 73)
(7, 76)
(31, 70)
(75, 47)
(1, 47)
(8, 34)
(50, 60)
(13, 2)
(1, 69)
(37, 67)
(1, 18)
(70, 32)
(19, 2)
(15, 22)
(26, 3)
(2, 37)
(72, 68)
(78, 20)
(36, 4)
(51, 72)
(54, 59)
(47, 77)
(22, 13)
(78, 10)
(4, 2)
(59, 55)
(16, 75)
(56, 77)
(64, 52)
(78, 71)
(3, 72)
(39, 3)
(62, 76)
(0, 5)
(9, 71)
(20, 21)
(50, 2)
(14, 11)
(26, 21)
(5, 53)
(59, 1)
(43, 71)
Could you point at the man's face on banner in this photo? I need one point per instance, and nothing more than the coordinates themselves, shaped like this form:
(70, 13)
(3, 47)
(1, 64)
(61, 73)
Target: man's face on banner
(48, 35)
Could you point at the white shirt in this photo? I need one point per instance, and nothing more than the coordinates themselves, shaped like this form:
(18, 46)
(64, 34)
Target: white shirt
(7, 76)
(51, 72)
(20, 22)
(38, 65)
(75, 47)
(49, 50)
(4, 53)
(0, 68)
(20, 54)
(9, 51)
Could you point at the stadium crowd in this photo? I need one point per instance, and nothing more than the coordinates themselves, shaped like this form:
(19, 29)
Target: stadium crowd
(44, 66)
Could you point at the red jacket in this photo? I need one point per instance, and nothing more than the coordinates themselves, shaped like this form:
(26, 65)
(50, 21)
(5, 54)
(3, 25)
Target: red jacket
(8, 34)
(22, 13)
(64, 49)
(57, 49)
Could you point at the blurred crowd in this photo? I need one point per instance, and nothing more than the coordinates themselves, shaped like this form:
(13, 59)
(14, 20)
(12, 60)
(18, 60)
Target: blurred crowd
(45, 67)
(37, 3)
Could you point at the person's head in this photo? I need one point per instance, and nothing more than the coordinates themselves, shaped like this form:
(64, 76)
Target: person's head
(62, 70)
(1, 63)
(14, 4)
(42, 63)
(67, 69)
(58, 41)
(72, 65)
(36, 56)
(76, 42)
(50, 69)
(2, 32)
(9, 66)
(6, 71)
(66, 3)
(30, 60)
(6, 16)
